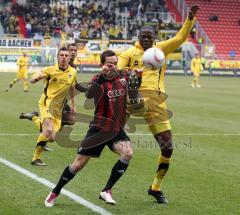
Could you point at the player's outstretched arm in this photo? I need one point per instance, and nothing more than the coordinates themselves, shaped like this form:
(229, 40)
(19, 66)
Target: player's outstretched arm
(172, 44)
(37, 77)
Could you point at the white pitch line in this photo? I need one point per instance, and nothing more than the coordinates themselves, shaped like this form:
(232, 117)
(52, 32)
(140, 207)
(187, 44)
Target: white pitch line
(47, 183)
(143, 134)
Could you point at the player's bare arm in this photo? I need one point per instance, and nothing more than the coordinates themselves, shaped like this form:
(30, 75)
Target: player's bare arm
(37, 77)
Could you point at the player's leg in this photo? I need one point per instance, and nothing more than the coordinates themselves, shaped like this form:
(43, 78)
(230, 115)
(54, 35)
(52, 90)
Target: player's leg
(14, 81)
(35, 118)
(124, 149)
(159, 125)
(68, 174)
(47, 135)
(197, 82)
(164, 139)
(25, 83)
(84, 154)
(193, 81)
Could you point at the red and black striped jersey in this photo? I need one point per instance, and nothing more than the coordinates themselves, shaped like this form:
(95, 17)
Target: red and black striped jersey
(110, 98)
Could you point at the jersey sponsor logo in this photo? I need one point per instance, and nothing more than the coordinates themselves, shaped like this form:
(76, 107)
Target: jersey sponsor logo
(123, 81)
(115, 93)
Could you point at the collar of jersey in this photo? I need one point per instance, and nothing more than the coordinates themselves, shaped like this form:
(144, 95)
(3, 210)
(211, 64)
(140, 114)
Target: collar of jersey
(137, 45)
(57, 68)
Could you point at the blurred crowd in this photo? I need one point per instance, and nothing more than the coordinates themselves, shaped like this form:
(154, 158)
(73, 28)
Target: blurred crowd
(89, 19)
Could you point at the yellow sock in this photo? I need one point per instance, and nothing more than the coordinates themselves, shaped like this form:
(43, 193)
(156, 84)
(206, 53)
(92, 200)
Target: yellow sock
(37, 153)
(163, 164)
(42, 138)
(36, 120)
(25, 84)
(39, 148)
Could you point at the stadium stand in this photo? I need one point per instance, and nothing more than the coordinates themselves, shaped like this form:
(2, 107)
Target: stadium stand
(224, 32)
(88, 19)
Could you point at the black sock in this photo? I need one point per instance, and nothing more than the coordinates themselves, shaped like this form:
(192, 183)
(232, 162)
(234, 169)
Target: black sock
(117, 171)
(42, 143)
(64, 179)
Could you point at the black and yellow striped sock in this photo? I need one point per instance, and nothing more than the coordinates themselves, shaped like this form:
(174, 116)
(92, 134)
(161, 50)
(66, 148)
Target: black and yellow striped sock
(163, 164)
(13, 82)
(41, 141)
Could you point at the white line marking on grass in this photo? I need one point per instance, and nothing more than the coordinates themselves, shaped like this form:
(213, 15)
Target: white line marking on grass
(144, 134)
(47, 183)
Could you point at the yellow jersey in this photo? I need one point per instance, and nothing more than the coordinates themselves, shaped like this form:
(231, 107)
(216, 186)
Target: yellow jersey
(132, 57)
(57, 85)
(196, 65)
(22, 62)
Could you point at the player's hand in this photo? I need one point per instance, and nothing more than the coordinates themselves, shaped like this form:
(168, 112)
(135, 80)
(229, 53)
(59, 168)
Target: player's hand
(193, 11)
(109, 71)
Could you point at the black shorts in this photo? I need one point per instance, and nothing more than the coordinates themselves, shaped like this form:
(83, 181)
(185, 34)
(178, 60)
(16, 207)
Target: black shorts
(95, 151)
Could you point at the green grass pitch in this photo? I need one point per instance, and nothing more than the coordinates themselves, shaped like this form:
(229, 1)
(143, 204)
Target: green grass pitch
(204, 173)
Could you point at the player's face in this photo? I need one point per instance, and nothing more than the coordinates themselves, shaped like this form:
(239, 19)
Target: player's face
(73, 52)
(146, 39)
(109, 67)
(63, 59)
(111, 60)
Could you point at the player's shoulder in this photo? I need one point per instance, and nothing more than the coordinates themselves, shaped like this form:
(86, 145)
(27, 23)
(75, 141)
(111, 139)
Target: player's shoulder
(48, 69)
(72, 71)
(130, 50)
(95, 77)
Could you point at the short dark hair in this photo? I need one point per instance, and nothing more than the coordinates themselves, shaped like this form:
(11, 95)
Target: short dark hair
(63, 48)
(71, 44)
(147, 28)
(107, 53)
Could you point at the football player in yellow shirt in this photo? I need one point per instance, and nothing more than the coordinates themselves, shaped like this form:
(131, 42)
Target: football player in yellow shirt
(60, 81)
(22, 73)
(152, 90)
(196, 68)
(34, 116)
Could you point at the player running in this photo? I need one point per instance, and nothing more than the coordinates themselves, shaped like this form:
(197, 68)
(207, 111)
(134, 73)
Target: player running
(60, 80)
(109, 90)
(22, 73)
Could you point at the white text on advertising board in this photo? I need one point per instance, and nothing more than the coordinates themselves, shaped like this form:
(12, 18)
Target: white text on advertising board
(16, 42)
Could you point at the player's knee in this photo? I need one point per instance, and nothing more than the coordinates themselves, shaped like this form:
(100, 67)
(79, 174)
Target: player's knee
(164, 140)
(127, 153)
(49, 134)
(79, 163)
(77, 166)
